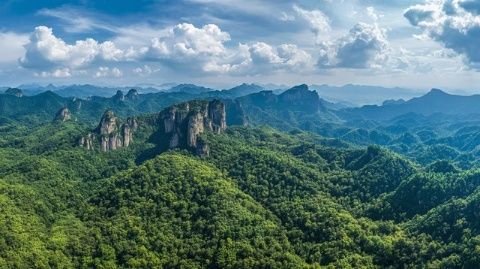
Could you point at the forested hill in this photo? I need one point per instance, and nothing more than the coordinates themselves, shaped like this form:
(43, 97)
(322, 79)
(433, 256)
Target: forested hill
(261, 198)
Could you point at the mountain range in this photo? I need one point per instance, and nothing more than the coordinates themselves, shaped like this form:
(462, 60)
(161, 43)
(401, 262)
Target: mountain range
(435, 101)
(359, 95)
(241, 178)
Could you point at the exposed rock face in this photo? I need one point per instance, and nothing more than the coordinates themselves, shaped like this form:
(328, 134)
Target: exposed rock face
(179, 126)
(119, 96)
(110, 133)
(202, 149)
(196, 126)
(184, 123)
(217, 116)
(132, 94)
(86, 141)
(235, 113)
(127, 131)
(63, 115)
(14, 91)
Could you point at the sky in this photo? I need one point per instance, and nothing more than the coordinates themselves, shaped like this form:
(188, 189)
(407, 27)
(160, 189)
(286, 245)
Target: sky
(418, 44)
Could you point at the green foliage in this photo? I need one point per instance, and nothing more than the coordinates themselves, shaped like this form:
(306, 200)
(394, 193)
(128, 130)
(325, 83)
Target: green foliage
(261, 199)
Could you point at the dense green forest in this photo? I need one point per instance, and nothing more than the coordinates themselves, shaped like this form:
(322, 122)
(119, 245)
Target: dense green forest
(284, 189)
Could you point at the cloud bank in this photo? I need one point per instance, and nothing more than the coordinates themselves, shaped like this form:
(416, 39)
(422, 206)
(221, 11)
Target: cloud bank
(453, 23)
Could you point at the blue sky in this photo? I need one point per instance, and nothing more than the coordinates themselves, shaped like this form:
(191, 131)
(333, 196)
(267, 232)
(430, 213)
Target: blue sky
(416, 44)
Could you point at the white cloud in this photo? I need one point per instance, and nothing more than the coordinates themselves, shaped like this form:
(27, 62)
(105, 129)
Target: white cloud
(185, 41)
(319, 22)
(57, 73)
(116, 72)
(372, 13)
(286, 17)
(143, 71)
(46, 51)
(74, 21)
(260, 57)
(365, 46)
(11, 46)
(104, 71)
(453, 23)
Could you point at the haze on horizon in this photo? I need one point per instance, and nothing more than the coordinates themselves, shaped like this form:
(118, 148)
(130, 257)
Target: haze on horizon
(415, 44)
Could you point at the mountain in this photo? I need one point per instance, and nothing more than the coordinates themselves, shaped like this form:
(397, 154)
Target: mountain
(243, 89)
(182, 187)
(297, 107)
(435, 101)
(80, 91)
(181, 203)
(189, 88)
(358, 95)
(178, 126)
(14, 91)
(41, 107)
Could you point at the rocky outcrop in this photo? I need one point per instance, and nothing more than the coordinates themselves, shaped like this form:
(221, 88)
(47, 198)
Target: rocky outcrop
(179, 126)
(63, 115)
(14, 91)
(119, 96)
(87, 141)
(132, 94)
(300, 98)
(184, 123)
(202, 149)
(110, 133)
(235, 113)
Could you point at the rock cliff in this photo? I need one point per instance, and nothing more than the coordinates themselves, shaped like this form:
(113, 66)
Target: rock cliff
(179, 126)
(63, 115)
(184, 123)
(14, 91)
(119, 97)
(110, 134)
(300, 98)
(132, 94)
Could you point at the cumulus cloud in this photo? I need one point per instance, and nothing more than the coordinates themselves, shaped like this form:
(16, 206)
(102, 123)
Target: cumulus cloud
(319, 22)
(260, 57)
(104, 71)
(453, 23)
(205, 47)
(57, 73)
(143, 71)
(185, 41)
(364, 46)
(11, 47)
(45, 51)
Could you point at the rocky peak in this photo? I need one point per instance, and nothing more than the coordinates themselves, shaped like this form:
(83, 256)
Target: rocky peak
(14, 91)
(108, 123)
(119, 96)
(63, 115)
(132, 94)
(436, 92)
(301, 98)
(179, 126)
(183, 124)
(110, 134)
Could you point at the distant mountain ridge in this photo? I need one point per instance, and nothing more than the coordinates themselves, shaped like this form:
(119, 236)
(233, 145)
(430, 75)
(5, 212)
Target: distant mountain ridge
(435, 101)
(262, 107)
(357, 95)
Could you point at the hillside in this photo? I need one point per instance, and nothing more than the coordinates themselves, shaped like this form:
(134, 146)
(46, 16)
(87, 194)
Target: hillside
(185, 186)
